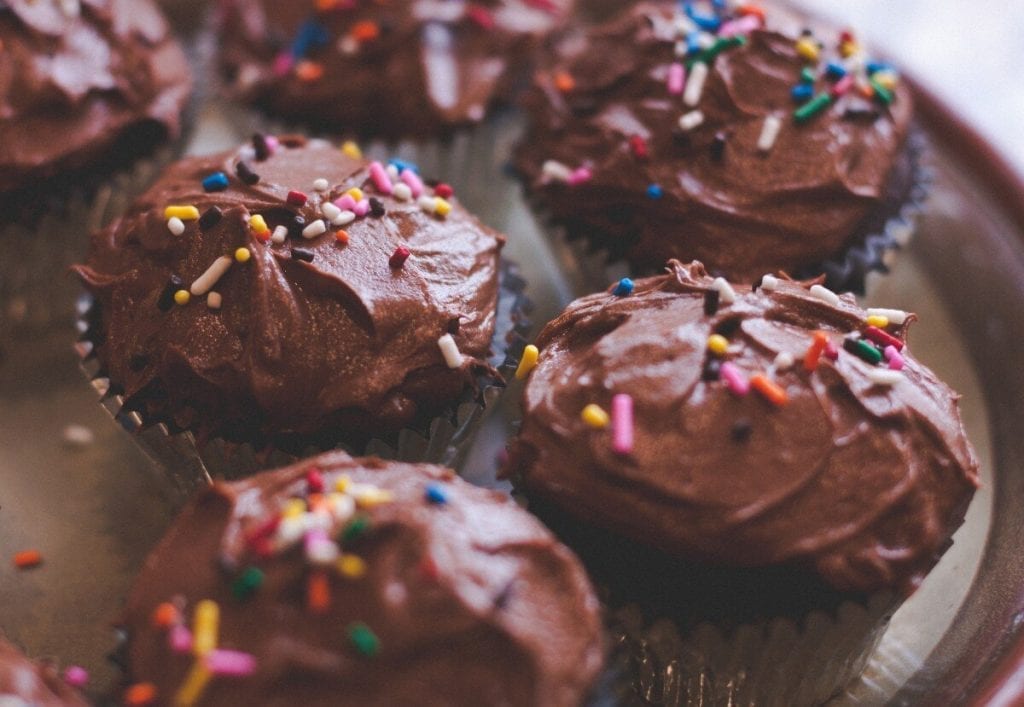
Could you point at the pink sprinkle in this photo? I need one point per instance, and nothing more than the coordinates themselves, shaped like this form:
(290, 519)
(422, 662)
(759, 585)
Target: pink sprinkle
(362, 207)
(622, 424)
(180, 639)
(346, 203)
(481, 15)
(272, 143)
(380, 178)
(414, 182)
(895, 359)
(220, 661)
(283, 64)
(831, 352)
(580, 176)
(734, 378)
(742, 25)
(842, 86)
(76, 676)
(676, 78)
(315, 537)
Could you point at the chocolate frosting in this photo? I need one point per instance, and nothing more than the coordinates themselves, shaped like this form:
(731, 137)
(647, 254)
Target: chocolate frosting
(741, 210)
(408, 68)
(35, 684)
(76, 76)
(471, 600)
(313, 337)
(860, 482)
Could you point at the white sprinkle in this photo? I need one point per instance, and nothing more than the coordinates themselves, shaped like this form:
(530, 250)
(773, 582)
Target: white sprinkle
(214, 300)
(681, 49)
(682, 25)
(392, 171)
(895, 316)
(553, 171)
(321, 184)
(884, 376)
(427, 203)
(402, 192)
(205, 282)
(322, 552)
(71, 8)
(450, 351)
(290, 531)
(279, 235)
(314, 229)
(705, 40)
(329, 210)
(175, 225)
(343, 218)
(695, 83)
(348, 45)
(726, 295)
(691, 120)
(783, 360)
(78, 436)
(769, 283)
(342, 507)
(769, 133)
(825, 295)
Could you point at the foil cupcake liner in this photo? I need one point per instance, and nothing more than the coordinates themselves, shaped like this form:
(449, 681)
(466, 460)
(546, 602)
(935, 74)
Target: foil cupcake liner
(188, 464)
(590, 268)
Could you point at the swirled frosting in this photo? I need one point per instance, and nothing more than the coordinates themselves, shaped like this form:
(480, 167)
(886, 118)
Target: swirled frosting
(861, 474)
(642, 187)
(307, 335)
(441, 593)
(407, 68)
(77, 75)
(23, 682)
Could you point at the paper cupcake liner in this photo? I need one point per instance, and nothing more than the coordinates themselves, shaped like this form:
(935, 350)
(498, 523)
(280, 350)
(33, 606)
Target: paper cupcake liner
(590, 268)
(443, 439)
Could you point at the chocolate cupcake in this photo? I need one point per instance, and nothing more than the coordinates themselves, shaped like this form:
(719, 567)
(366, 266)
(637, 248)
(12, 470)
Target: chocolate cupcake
(750, 145)
(23, 682)
(357, 581)
(287, 295)
(763, 467)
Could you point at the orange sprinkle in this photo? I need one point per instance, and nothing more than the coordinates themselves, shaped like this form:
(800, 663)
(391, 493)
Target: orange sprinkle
(166, 615)
(309, 71)
(815, 350)
(318, 592)
(564, 82)
(342, 236)
(141, 693)
(327, 5)
(316, 502)
(772, 392)
(867, 90)
(751, 9)
(365, 31)
(27, 559)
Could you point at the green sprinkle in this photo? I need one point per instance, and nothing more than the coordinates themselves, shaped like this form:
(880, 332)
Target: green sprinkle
(863, 350)
(247, 583)
(358, 525)
(812, 107)
(363, 639)
(721, 44)
(881, 92)
(807, 75)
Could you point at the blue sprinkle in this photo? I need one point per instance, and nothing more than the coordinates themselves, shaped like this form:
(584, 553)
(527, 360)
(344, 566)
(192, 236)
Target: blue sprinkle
(693, 42)
(803, 92)
(623, 288)
(873, 67)
(311, 34)
(654, 191)
(402, 165)
(835, 70)
(436, 495)
(218, 181)
(708, 24)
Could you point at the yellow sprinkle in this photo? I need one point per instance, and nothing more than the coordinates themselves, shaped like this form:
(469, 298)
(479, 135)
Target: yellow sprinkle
(351, 566)
(878, 320)
(594, 416)
(371, 498)
(205, 627)
(356, 193)
(718, 344)
(257, 224)
(527, 362)
(848, 49)
(886, 79)
(195, 683)
(185, 213)
(342, 483)
(441, 207)
(242, 255)
(182, 297)
(808, 49)
(352, 150)
(294, 508)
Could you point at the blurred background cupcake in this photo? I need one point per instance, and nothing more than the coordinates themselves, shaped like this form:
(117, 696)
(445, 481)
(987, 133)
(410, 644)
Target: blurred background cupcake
(724, 133)
(92, 94)
(341, 581)
(24, 682)
(288, 295)
(757, 477)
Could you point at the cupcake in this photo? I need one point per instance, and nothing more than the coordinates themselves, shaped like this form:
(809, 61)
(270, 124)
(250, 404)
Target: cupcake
(725, 137)
(357, 581)
(23, 682)
(767, 470)
(288, 295)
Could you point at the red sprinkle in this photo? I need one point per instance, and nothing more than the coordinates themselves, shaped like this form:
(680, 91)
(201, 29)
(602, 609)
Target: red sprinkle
(883, 338)
(262, 531)
(296, 198)
(315, 481)
(443, 190)
(141, 693)
(27, 559)
(831, 352)
(639, 147)
(481, 15)
(842, 86)
(399, 257)
(428, 568)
